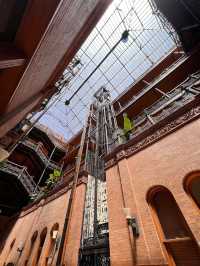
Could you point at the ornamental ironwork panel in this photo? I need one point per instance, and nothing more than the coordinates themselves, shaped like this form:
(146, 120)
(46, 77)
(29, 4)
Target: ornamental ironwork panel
(21, 173)
(101, 259)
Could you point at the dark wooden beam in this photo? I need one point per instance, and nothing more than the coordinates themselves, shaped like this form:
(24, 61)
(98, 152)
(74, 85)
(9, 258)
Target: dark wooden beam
(69, 19)
(70, 23)
(10, 56)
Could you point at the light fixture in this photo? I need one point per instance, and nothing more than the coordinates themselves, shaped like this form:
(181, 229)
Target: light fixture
(132, 221)
(54, 234)
(125, 35)
(20, 247)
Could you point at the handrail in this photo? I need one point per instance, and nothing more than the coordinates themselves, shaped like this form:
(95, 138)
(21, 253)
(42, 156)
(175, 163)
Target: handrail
(153, 84)
(177, 98)
(21, 173)
(37, 148)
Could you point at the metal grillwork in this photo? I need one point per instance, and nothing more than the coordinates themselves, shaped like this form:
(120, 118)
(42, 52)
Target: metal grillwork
(37, 148)
(167, 104)
(149, 86)
(69, 73)
(102, 127)
(102, 259)
(150, 39)
(96, 253)
(21, 173)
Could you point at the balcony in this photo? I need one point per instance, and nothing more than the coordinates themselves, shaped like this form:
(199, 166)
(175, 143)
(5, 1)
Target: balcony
(21, 173)
(40, 150)
(167, 107)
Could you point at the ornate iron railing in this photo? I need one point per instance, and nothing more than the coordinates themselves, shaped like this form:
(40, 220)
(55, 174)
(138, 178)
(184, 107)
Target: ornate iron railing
(102, 235)
(37, 148)
(99, 259)
(167, 105)
(21, 173)
(102, 230)
(146, 88)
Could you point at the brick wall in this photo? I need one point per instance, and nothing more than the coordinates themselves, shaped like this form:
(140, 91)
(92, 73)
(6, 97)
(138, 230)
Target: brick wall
(72, 242)
(165, 163)
(44, 215)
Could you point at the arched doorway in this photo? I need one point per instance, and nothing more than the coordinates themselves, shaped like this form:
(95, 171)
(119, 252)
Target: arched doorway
(192, 187)
(41, 244)
(52, 244)
(172, 228)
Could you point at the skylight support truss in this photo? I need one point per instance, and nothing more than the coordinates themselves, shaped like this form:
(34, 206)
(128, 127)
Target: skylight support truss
(151, 38)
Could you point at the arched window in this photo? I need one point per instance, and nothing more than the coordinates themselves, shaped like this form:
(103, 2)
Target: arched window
(11, 247)
(172, 228)
(52, 244)
(12, 244)
(41, 244)
(32, 244)
(192, 187)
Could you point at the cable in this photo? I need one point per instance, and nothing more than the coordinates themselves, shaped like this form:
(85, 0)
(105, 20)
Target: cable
(124, 37)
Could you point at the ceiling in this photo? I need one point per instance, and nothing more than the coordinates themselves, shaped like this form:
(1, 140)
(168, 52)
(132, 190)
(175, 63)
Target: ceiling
(150, 39)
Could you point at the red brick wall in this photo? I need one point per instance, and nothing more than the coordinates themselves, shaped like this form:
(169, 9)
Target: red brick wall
(74, 234)
(164, 163)
(45, 215)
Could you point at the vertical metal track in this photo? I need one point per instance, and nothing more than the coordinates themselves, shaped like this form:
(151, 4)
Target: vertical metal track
(71, 198)
(100, 135)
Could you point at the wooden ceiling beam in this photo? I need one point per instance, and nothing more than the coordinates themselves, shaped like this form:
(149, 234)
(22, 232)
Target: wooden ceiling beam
(10, 56)
(69, 26)
(69, 20)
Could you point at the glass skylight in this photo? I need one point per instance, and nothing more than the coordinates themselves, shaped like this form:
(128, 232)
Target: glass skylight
(149, 40)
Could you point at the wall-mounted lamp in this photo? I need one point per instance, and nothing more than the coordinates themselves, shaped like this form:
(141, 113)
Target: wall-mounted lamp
(132, 221)
(20, 247)
(54, 234)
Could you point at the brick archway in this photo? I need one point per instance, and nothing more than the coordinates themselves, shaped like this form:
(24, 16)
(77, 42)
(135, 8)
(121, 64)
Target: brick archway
(191, 185)
(174, 233)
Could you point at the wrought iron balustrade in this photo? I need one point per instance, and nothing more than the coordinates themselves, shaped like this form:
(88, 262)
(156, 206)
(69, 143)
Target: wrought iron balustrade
(37, 148)
(146, 88)
(102, 229)
(101, 238)
(99, 259)
(21, 173)
(167, 105)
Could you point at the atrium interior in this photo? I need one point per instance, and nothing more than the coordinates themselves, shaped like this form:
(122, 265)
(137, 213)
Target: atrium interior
(99, 133)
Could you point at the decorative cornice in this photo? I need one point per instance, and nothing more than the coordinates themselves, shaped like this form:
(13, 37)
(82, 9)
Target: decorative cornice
(110, 163)
(126, 150)
(120, 155)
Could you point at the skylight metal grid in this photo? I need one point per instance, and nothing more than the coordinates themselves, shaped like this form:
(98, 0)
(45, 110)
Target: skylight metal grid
(149, 41)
